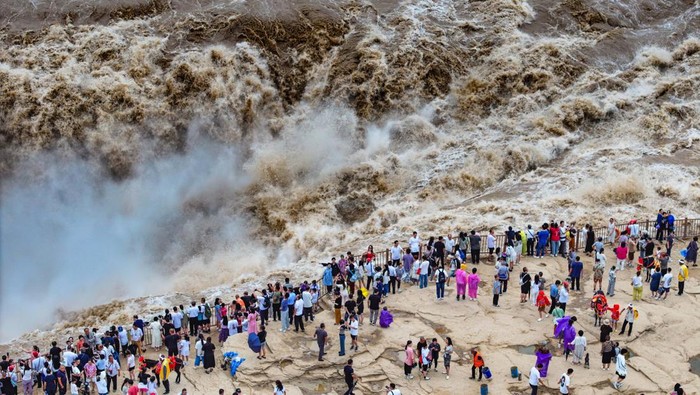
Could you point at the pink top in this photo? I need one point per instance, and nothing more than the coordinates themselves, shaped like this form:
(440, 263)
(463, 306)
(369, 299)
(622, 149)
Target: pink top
(460, 276)
(252, 323)
(621, 252)
(410, 358)
(473, 280)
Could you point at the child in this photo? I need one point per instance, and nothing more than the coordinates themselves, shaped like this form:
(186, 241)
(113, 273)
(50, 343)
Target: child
(184, 349)
(557, 313)
(542, 303)
(385, 318)
(496, 290)
(314, 299)
(615, 315)
(612, 277)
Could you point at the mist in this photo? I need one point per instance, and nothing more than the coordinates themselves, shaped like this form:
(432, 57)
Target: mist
(72, 237)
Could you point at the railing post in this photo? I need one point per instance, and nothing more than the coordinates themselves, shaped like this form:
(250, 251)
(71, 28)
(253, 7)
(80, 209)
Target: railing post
(685, 228)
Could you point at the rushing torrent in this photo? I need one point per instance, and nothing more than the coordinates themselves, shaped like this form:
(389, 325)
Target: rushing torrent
(199, 144)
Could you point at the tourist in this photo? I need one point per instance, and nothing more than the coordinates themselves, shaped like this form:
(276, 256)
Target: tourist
(682, 276)
(392, 390)
(425, 358)
(542, 303)
(373, 302)
(409, 360)
(423, 272)
(503, 275)
(477, 363)
(385, 318)
(461, 282)
(321, 337)
(565, 381)
(441, 278)
(607, 351)
(491, 242)
(612, 278)
(637, 286)
(208, 357)
(475, 247)
(580, 344)
(354, 327)
(434, 348)
(496, 290)
(598, 270)
(630, 316)
(590, 239)
(563, 297)
(473, 285)
(350, 377)
(535, 379)
(542, 240)
(530, 244)
(620, 368)
(665, 284)
(447, 356)
(691, 255)
(575, 274)
(279, 388)
(543, 358)
(655, 283)
(298, 314)
(525, 283)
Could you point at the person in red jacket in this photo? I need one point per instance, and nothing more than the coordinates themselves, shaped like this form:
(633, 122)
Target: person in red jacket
(477, 363)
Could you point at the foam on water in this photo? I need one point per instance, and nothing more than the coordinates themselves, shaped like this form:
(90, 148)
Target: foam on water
(150, 147)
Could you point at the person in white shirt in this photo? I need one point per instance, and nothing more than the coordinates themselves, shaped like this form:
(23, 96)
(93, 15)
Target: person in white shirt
(308, 305)
(136, 336)
(535, 378)
(68, 357)
(192, 313)
(113, 370)
(423, 276)
(449, 244)
(565, 382)
(299, 314)
(620, 368)
(396, 253)
(102, 387)
(177, 320)
(414, 243)
(666, 280)
(491, 242)
(130, 364)
(392, 390)
(198, 351)
(354, 331)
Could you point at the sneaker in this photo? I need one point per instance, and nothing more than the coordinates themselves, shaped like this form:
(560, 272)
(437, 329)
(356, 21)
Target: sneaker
(447, 377)
(445, 372)
(426, 378)
(539, 319)
(546, 315)
(410, 376)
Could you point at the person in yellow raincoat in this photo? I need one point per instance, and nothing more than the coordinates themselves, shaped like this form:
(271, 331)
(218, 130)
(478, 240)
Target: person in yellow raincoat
(163, 369)
(682, 276)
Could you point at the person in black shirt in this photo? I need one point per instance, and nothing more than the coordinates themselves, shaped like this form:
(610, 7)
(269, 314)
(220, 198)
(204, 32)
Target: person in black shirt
(262, 336)
(435, 352)
(55, 353)
(171, 342)
(350, 307)
(337, 306)
(374, 301)
(350, 377)
(439, 253)
(167, 326)
(50, 385)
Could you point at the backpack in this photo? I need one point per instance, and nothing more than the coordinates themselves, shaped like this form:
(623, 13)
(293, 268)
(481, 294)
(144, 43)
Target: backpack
(441, 276)
(207, 311)
(266, 301)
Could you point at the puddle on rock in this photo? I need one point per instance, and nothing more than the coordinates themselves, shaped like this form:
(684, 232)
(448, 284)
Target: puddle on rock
(440, 329)
(528, 350)
(695, 365)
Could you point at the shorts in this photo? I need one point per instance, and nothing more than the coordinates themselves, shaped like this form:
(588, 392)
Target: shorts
(446, 359)
(663, 290)
(131, 369)
(425, 367)
(353, 337)
(540, 308)
(622, 376)
(262, 344)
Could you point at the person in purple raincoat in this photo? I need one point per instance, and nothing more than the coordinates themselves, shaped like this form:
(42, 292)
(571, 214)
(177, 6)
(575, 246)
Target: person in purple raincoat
(385, 318)
(565, 330)
(543, 357)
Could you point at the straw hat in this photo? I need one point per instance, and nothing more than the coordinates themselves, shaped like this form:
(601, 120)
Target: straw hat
(606, 321)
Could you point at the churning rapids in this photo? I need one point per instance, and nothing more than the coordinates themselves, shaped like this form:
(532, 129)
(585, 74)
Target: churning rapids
(158, 146)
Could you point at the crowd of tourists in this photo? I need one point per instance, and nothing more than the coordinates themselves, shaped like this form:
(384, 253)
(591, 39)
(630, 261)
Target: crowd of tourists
(115, 359)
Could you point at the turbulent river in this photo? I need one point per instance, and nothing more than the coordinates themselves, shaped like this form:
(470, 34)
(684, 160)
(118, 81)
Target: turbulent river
(158, 146)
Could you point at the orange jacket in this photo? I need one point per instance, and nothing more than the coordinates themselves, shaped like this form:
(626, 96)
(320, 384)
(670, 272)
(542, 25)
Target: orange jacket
(478, 361)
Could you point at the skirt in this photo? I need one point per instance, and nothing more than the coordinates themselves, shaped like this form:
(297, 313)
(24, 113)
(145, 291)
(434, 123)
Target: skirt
(223, 334)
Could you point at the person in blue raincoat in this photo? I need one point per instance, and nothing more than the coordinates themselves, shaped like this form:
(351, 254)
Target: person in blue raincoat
(328, 279)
